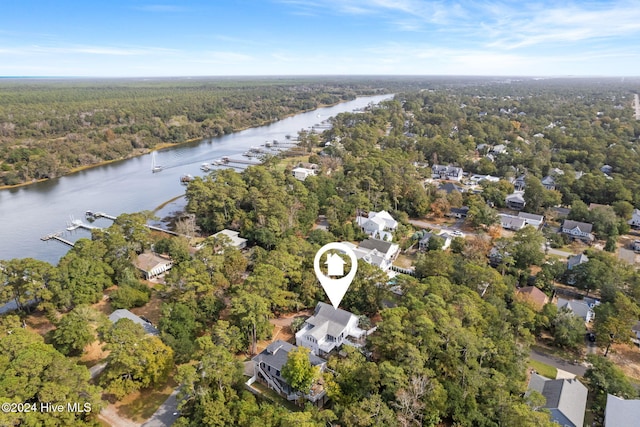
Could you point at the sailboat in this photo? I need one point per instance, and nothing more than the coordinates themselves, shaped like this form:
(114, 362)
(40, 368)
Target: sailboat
(154, 167)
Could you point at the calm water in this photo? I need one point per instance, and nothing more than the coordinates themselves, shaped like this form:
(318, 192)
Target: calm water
(30, 212)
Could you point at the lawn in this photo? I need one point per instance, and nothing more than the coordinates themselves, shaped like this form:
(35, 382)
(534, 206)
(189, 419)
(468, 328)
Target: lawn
(141, 405)
(543, 369)
(273, 397)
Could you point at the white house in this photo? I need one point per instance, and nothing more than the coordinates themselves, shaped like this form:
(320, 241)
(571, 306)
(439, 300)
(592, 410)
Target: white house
(532, 219)
(511, 222)
(234, 237)
(452, 173)
(549, 182)
(301, 174)
(578, 230)
(635, 219)
(424, 242)
(376, 252)
(379, 225)
(152, 265)
(580, 308)
(328, 329)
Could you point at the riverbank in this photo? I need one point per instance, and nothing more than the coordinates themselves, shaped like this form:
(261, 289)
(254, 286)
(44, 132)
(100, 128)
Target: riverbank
(163, 146)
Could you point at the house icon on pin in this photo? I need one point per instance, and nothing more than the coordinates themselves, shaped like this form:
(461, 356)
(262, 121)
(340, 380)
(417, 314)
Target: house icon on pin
(335, 265)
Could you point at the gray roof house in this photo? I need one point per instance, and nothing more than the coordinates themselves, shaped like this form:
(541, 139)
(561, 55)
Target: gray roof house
(267, 369)
(578, 230)
(576, 260)
(515, 201)
(549, 182)
(532, 219)
(621, 413)
(635, 219)
(566, 399)
(423, 244)
(511, 222)
(452, 173)
(328, 329)
(126, 314)
(579, 308)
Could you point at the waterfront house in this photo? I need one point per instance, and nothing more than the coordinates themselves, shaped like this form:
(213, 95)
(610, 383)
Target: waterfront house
(152, 265)
(328, 329)
(566, 399)
(233, 238)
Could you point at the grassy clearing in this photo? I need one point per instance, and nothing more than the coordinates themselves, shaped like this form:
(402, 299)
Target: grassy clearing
(543, 369)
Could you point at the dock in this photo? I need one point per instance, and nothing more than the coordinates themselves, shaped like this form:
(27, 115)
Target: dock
(227, 160)
(57, 236)
(113, 218)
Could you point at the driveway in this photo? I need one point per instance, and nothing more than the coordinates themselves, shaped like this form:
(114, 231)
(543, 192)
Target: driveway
(425, 224)
(166, 414)
(557, 363)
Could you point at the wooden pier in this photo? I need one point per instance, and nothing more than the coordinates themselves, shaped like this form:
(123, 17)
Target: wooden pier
(113, 218)
(56, 236)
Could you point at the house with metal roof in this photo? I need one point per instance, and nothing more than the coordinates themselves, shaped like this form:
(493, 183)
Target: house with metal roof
(126, 314)
(566, 399)
(234, 238)
(328, 329)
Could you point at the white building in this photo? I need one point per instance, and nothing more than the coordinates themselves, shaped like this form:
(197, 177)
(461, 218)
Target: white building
(379, 225)
(302, 173)
(234, 237)
(328, 329)
(635, 218)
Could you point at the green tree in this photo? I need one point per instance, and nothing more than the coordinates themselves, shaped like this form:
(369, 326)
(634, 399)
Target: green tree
(250, 313)
(568, 329)
(298, 371)
(77, 329)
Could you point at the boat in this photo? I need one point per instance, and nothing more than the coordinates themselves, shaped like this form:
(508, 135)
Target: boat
(205, 167)
(154, 167)
(186, 178)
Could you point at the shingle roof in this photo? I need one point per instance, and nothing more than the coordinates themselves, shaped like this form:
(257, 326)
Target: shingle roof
(566, 398)
(277, 353)
(327, 320)
(380, 245)
(126, 314)
(621, 413)
(583, 226)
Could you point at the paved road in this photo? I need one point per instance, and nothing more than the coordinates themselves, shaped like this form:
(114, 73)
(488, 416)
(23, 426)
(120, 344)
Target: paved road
(558, 363)
(164, 416)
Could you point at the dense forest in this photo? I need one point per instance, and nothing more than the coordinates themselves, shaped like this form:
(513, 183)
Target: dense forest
(452, 341)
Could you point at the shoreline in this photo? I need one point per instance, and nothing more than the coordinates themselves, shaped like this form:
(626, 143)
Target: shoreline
(160, 146)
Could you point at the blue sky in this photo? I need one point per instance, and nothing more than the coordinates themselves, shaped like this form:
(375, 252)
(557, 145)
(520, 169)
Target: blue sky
(119, 38)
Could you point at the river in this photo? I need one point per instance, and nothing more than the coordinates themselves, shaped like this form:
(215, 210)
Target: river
(30, 212)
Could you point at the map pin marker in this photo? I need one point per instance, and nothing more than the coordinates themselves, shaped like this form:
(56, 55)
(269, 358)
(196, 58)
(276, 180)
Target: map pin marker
(335, 288)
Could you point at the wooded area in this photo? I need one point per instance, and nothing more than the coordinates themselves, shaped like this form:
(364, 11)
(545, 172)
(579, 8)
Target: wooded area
(452, 342)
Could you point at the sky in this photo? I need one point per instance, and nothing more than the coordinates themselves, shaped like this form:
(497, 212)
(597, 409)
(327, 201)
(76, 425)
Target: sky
(139, 38)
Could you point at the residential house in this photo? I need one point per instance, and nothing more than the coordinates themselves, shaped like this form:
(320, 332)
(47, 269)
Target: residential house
(580, 308)
(233, 237)
(621, 413)
(450, 187)
(578, 230)
(519, 183)
(511, 222)
(152, 265)
(376, 252)
(328, 329)
(576, 260)
(561, 212)
(126, 314)
(533, 296)
(533, 220)
(635, 330)
(499, 149)
(566, 399)
(635, 219)
(267, 369)
(549, 182)
(452, 173)
(459, 212)
(476, 179)
(423, 244)
(302, 174)
(515, 201)
(606, 169)
(635, 246)
(379, 225)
